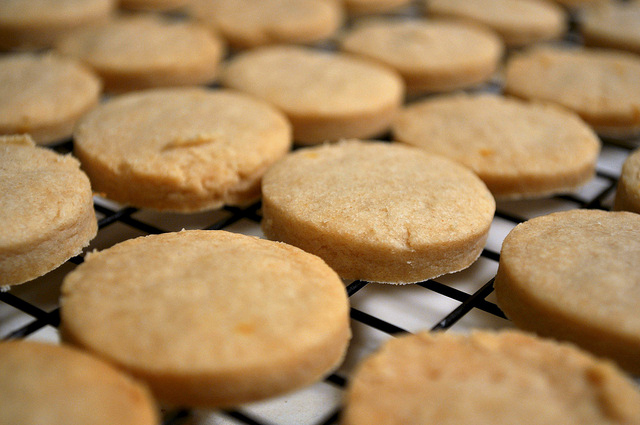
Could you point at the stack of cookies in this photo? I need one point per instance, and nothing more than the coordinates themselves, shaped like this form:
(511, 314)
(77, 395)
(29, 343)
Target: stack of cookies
(377, 139)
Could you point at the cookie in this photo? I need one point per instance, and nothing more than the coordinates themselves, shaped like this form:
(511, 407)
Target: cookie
(627, 196)
(44, 95)
(519, 22)
(46, 210)
(431, 56)
(519, 149)
(250, 23)
(573, 276)
(166, 52)
(326, 96)
(209, 318)
(612, 24)
(602, 86)
(487, 377)
(377, 211)
(37, 24)
(370, 7)
(154, 5)
(58, 385)
(181, 149)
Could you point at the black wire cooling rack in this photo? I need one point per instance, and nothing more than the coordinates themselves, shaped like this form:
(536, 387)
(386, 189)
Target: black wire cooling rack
(460, 301)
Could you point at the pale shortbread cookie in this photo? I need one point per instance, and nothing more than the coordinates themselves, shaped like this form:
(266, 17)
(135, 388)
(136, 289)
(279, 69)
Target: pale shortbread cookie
(209, 318)
(37, 24)
(57, 385)
(574, 276)
(46, 210)
(602, 86)
(251, 23)
(378, 211)
(165, 52)
(326, 96)
(181, 149)
(431, 56)
(519, 22)
(497, 378)
(519, 149)
(614, 24)
(44, 95)
(628, 191)
(368, 7)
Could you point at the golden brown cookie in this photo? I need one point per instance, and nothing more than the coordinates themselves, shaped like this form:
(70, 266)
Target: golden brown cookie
(499, 378)
(519, 149)
(614, 24)
(370, 7)
(58, 385)
(326, 96)
(431, 56)
(377, 211)
(519, 22)
(209, 318)
(251, 23)
(181, 149)
(602, 86)
(574, 276)
(628, 191)
(44, 95)
(165, 53)
(37, 24)
(154, 5)
(46, 210)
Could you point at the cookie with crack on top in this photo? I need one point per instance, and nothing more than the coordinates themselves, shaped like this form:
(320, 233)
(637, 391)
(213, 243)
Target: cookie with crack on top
(181, 149)
(377, 211)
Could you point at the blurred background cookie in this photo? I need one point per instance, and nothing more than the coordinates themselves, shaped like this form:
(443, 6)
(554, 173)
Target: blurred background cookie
(612, 23)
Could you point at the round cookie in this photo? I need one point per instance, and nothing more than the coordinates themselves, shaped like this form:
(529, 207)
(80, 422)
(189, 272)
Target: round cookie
(574, 276)
(251, 23)
(614, 24)
(628, 191)
(209, 318)
(602, 86)
(46, 210)
(326, 96)
(500, 378)
(370, 7)
(518, 22)
(37, 24)
(519, 149)
(58, 385)
(431, 56)
(44, 95)
(166, 52)
(377, 211)
(181, 149)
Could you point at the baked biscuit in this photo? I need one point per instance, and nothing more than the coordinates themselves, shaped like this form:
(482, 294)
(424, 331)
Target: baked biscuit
(628, 191)
(574, 276)
(519, 22)
(519, 149)
(614, 24)
(326, 96)
(377, 211)
(602, 86)
(44, 95)
(209, 318)
(181, 149)
(251, 23)
(37, 24)
(165, 53)
(46, 210)
(499, 378)
(154, 5)
(58, 385)
(369, 7)
(431, 56)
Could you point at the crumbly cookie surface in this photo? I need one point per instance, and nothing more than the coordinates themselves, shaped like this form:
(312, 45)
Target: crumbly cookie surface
(573, 275)
(377, 211)
(519, 149)
(209, 318)
(487, 378)
(181, 149)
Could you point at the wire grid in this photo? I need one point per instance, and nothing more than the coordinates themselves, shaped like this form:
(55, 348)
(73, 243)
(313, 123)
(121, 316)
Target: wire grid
(463, 302)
